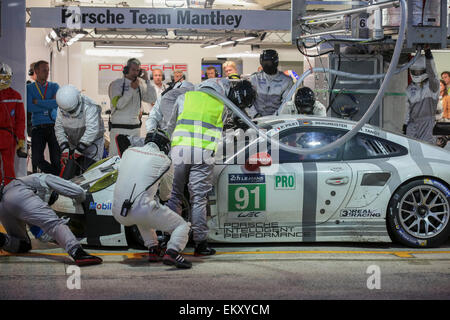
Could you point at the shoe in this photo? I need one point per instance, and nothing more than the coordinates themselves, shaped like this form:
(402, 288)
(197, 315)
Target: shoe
(154, 254)
(173, 258)
(82, 258)
(203, 249)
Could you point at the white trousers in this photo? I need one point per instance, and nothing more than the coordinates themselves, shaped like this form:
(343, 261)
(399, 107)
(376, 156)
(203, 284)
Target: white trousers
(149, 215)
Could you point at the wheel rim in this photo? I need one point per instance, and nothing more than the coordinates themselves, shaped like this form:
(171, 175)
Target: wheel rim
(424, 211)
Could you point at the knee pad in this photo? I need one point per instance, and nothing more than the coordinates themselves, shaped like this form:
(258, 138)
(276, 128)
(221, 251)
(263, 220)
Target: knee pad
(15, 245)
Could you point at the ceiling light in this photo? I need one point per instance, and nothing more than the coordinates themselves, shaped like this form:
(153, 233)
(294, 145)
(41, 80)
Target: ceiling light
(126, 45)
(226, 43)
(141, 32)
(247, 37)
(209, 46)
(53, 35)
(246, 54)
(114, 53)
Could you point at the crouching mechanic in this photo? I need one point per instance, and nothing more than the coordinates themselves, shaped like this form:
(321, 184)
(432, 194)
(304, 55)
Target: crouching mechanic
(79, 125)
(135, 201)
(304, 103)
(22, 202)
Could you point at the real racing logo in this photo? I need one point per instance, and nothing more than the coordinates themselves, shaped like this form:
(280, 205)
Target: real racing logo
(100, 206)
(360, 213)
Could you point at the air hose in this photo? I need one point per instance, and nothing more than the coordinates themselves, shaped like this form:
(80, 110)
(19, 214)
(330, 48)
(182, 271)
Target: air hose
(369, 113)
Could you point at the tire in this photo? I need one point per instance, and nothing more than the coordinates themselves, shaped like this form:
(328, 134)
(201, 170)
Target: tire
(134, 236)
(419, 213)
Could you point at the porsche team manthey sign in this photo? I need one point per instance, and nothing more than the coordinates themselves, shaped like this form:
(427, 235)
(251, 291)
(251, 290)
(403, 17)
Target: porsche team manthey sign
(96, 17)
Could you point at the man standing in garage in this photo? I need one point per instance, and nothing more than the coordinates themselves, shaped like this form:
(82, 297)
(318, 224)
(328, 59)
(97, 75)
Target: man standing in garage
(422, 97)
(305, 102)
(41, 103)
(272, 86)
(126, 95)
(158, 78)
(230, 68)
(12, 124)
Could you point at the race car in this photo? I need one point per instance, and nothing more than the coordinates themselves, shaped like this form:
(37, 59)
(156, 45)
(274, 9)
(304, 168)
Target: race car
(379, 186)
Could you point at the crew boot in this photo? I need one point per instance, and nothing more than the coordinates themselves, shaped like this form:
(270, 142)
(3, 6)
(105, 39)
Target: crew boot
(154, 254)
(82, 258)
(173, 258)
(202, 248)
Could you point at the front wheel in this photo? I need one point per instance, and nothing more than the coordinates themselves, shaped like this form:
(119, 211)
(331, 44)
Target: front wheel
(418, 214)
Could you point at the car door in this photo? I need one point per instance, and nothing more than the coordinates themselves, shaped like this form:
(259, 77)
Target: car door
(325, 179)
(265, 193)
(293, 190)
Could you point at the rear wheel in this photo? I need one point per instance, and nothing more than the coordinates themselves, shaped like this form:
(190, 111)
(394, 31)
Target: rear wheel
(418, 214)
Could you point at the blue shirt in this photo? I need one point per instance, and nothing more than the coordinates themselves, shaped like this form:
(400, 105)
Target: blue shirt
(44, 111)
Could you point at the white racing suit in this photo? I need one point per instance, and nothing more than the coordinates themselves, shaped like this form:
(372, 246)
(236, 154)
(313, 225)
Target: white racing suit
(24, 202)
(140, 168)
(270, 91)
(290, 108)
(162, 110)
(126, 107)
(193, 167)
(421, 105)
(87, 127)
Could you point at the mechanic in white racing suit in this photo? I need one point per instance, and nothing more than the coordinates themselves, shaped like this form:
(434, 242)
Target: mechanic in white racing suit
(79, 125)
(162, 110)
(304, 103)
(22, 201)
(422, 97)
(136, 201)
(272, 86)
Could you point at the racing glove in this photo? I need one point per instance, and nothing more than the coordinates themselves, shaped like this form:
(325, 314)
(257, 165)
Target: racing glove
(65, 150)
(81, 147)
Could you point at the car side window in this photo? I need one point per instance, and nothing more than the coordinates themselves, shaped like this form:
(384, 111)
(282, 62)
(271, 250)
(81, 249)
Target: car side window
(363, 146)
(310, 138)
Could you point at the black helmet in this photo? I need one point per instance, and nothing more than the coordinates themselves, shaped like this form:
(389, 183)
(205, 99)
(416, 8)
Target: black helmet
(269, 61)
(304, 100)
(160, 138)
(242, 93)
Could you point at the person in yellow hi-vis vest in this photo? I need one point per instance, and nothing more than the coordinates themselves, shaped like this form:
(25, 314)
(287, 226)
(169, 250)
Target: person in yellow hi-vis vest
(195, 127)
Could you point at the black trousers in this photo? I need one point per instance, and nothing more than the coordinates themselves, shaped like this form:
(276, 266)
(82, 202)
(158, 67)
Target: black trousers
(42, 135)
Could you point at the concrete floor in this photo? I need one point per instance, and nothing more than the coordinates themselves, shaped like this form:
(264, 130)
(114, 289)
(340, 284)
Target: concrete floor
(237, 272)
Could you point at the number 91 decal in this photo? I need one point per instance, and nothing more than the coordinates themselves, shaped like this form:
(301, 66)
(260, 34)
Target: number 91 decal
(247, 197)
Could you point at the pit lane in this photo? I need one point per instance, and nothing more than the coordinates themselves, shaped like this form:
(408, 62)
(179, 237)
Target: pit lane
(268, 272)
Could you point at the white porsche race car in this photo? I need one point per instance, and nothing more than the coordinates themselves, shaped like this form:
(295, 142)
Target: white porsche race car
(378, 186)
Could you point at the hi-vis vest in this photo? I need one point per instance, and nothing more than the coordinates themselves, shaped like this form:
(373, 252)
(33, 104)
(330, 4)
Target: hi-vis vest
(200, 123)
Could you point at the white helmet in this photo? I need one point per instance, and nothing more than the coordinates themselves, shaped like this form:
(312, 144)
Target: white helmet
(220, 85)
(5, 76)
(68, 99)
(418, 70)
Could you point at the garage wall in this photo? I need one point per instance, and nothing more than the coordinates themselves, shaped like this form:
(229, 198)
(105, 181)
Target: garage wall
(177, 53)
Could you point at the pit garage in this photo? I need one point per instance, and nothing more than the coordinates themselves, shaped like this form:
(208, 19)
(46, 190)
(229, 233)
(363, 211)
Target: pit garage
(368, 212)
